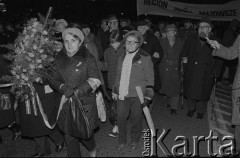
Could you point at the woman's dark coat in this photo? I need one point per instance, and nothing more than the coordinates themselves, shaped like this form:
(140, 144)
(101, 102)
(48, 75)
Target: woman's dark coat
(198, 71)
(75, 71)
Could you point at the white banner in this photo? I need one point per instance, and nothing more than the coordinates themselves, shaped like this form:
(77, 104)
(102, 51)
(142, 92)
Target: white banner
(218, 12)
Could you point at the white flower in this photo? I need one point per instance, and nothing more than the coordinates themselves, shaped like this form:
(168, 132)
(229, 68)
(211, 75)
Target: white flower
(38, 79)
(41, 50)
(28, 59)
(44, 56)
(45, 32)
(18, 77)
(31, 55)
(31, 66)
(35, 47)
(35, 24)
(40, 66)
(39, 61)
(24, 77)
(13, 72)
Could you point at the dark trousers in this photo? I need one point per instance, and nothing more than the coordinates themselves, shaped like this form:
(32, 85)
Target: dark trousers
(237, 137)
(199, 105)
(42, 143)
(73, 146)
(124, 108)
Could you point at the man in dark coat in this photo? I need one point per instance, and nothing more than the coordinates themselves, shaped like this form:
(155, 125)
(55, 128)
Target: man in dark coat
(228, 39)
(198, 69)
(152, 46)
(169, 72)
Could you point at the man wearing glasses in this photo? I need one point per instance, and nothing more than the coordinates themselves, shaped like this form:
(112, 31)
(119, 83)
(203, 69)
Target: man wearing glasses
(198, 69)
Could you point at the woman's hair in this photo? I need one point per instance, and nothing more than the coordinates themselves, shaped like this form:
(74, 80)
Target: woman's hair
(116, 36)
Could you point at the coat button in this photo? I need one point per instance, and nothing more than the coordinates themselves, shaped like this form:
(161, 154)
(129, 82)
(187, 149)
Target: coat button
(166, 69)
(76, 69)
(195, 62)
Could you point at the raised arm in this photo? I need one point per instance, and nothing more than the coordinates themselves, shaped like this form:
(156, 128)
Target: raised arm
(227, 53)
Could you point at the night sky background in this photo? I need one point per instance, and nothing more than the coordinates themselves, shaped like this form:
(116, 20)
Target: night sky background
(82, 10)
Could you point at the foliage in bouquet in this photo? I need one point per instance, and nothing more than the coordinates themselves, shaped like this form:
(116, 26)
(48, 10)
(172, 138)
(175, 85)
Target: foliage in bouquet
(32, 56)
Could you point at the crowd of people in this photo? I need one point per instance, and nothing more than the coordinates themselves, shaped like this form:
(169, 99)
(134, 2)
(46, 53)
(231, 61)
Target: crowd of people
(171, 60)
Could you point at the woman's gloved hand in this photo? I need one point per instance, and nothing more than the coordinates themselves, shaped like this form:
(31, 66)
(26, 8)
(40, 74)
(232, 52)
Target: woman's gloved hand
(146, 102)
(67, 90)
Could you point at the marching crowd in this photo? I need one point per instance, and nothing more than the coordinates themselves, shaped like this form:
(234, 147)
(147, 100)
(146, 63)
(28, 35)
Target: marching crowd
(170, 60)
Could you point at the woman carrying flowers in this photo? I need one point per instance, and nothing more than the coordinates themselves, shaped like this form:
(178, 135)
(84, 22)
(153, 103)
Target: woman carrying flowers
(77, 77)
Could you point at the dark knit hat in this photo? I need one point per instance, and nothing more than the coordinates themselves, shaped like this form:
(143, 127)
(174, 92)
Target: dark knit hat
(142, 23)
(83, 26)
(234, 23)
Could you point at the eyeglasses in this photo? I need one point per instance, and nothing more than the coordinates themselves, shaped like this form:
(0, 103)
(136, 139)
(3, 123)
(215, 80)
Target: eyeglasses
(113, 22)
(204, 27)
(131, 42)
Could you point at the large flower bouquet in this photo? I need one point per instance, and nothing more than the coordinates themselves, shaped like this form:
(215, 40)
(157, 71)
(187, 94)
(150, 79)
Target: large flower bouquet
(33, 55)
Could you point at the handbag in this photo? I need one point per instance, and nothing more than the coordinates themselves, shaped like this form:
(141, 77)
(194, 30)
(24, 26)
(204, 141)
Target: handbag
(5, 103)
(78, 123)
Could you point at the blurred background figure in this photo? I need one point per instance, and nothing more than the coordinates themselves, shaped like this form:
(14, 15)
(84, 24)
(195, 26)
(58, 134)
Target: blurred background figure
(111, 56)
(7, 99)
(187, 29)
(228, 39)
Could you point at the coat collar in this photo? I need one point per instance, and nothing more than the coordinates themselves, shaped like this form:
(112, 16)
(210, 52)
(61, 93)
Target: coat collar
(81, 53)
(138, 55)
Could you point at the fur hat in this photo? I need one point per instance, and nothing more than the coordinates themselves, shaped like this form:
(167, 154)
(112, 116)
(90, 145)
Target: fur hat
(135, 34)
(74, 31)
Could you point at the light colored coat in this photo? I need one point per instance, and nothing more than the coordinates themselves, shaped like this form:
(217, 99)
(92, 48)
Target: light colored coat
(232, 53)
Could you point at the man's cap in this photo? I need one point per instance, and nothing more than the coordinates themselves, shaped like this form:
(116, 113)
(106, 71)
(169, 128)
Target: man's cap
(170, 27)
(206, 20)
(112, 17)
(234, 23)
